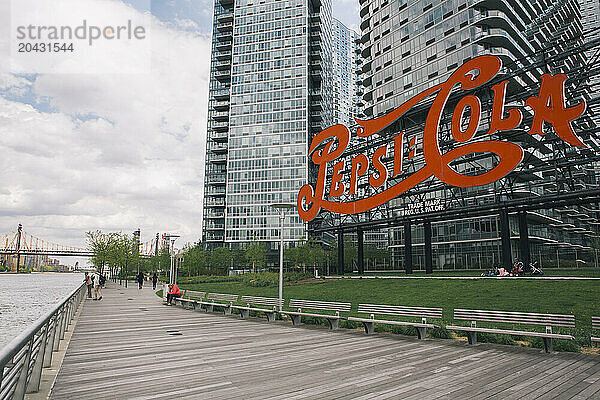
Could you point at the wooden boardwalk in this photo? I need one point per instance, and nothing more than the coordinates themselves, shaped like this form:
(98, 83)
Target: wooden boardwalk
(129, 346)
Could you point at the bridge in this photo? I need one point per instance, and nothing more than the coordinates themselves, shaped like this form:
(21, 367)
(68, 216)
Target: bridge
(20, 243)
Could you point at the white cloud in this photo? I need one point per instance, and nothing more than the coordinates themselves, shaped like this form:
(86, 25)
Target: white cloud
(119, 151)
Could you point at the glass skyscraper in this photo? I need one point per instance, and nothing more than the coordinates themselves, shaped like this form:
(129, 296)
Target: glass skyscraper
(408, 46)
(345, 99)
(270, 89)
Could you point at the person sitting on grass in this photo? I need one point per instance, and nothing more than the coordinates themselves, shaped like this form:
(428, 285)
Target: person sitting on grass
(173, 293)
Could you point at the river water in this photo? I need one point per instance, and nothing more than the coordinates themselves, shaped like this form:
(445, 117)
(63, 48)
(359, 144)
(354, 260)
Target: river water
(26, 297)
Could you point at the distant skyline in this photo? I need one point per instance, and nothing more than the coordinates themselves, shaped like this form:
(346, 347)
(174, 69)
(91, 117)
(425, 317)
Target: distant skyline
(114, 152)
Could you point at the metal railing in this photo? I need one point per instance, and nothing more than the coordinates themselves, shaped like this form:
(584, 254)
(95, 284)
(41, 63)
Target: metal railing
(22, 359)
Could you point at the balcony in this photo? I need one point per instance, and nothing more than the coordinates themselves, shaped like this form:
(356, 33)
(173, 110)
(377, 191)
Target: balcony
(220, 116)
(224, 54)
(218, 137)
(315, 116)
(315, 55)
(222, 149)
(217, 158)
(316, 65)
(223, 65)
(226, 27)
(210, 237)
(216, 179)
(316, 126)
(220, 126)
(214, 227)
(214, 202)
(224, 36)
(316, 105)
(316, 75)
(221, 105)
(224, 46)
(224, 18)
(222, 75)
(316, 94)
(215, 191)
(221, 94)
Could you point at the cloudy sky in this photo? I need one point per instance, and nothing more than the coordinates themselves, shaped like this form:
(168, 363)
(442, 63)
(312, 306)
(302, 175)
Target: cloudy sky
(114, 152)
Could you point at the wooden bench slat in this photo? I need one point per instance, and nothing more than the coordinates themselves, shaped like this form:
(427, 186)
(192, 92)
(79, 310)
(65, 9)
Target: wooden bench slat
(387, 321)
(320, 305)
(517, 321)
(463, 310)
(510, 332)
(222, 297)
(268, 301)
(425, 309)
(189, 293)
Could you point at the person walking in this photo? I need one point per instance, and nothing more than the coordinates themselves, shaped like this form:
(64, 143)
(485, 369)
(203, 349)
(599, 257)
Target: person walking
(140, 279)
(154, 281)
(97, 286)
(88, 283)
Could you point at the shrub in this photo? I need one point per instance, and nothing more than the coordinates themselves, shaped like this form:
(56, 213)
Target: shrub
(484, 337)
(557, 345)
(440, 333)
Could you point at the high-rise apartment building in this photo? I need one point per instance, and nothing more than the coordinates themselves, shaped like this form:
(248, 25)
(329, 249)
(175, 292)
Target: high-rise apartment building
(345, 99)
(408, 46)
(270, 85)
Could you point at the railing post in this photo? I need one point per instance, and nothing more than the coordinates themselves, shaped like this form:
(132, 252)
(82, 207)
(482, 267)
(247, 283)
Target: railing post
(36, 374)
(50, 345)
(56, 334)
(63, 321)
(19, 393)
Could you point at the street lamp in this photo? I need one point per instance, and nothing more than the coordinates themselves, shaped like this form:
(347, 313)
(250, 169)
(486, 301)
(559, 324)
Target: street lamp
(281, 207)
(171, 240)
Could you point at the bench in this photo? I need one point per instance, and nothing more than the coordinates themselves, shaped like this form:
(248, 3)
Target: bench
(517, 318)
(333, 320)
(264, 301)
(595, 326)
(209, 303)
(189, 298)
(398, 311)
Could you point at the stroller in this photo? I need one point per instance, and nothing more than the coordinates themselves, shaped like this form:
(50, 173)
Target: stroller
(535, 270)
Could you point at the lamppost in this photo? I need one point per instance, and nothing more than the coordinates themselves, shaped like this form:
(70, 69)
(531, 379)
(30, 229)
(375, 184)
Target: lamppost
(171, 240)
(281, 207)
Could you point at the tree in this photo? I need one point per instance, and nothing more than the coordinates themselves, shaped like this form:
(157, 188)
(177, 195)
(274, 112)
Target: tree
(100, 245)
(257, 254)
(221, 258)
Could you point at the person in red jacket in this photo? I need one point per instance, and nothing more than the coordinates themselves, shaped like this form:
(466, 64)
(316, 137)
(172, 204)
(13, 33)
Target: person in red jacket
(173, 293)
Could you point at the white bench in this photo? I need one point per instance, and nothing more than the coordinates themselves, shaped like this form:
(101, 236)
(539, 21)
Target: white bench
(515, 318)
(264, 301)
(209, 303)
(596, 326)
(190, 298)
(398, 311)
(333, 320)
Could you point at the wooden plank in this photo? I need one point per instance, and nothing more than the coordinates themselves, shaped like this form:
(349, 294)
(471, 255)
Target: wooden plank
(131, 347)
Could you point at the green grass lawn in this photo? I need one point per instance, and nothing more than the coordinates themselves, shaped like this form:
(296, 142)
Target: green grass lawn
(583, 272)
(580, 298)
